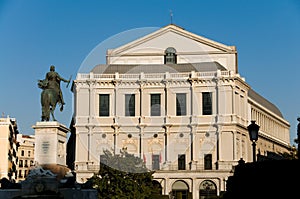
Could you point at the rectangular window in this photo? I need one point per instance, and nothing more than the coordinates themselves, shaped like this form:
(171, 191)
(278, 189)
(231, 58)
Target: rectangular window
(155, 162)
(129, 104)
(206, 103)
(28, 153)
(155, 104)
(208, 162)
(180, 104)
(20, 163)
(104, 105)
(20, 173)
(181, 162)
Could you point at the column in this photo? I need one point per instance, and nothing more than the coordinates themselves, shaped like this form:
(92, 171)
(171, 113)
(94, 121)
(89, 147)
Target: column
(116, 134)
(193, 163)
(141, 143)
(195, 191)
(167, 188)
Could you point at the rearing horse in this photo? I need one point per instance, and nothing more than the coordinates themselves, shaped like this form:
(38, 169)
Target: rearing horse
(49, 100)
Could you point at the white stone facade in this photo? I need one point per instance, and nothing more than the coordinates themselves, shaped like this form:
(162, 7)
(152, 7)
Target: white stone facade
(9, 148)
(25, 155)
(187, 119)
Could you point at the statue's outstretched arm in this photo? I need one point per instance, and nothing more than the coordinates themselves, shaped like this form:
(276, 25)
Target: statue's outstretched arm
(63, 79)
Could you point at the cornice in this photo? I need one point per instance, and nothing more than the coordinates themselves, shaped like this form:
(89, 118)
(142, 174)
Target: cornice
(254, 103)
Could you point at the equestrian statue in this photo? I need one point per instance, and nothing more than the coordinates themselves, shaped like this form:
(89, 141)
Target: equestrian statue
(51, 94)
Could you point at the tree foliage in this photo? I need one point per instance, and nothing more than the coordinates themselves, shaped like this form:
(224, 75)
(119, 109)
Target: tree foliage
(123, 176)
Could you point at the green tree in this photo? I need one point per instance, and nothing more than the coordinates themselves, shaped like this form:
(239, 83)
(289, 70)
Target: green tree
(123, 176)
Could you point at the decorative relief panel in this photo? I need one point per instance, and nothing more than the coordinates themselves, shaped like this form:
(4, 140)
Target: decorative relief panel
(103, 144)
(130, 144)
(155, 145)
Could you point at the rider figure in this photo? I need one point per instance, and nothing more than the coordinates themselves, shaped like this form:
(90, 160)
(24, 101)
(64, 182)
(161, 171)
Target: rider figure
(53, 79)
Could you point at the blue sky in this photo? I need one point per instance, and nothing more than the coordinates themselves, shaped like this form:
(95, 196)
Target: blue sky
(35, 34)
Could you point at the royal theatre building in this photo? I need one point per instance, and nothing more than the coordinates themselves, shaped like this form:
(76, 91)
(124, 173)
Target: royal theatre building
(176, 100)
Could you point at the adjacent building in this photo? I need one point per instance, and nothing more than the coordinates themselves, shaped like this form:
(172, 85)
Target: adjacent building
(25, 155)
(9, 148)
(177, 100)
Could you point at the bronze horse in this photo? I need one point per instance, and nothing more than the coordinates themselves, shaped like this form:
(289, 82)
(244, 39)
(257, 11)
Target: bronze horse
(49, 100)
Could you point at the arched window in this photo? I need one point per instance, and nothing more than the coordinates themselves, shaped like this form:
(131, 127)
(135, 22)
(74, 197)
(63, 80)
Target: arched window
(208, 189)
(170, 56)
(158, 187)
(180, 190)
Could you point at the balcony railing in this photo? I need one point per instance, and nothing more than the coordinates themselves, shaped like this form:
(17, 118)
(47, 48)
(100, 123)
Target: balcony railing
(93, 167)
(170, 167)
(155, 76)
(174, 167)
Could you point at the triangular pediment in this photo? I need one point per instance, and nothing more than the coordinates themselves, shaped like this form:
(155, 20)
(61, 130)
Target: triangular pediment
(172, 36)
(189, 47)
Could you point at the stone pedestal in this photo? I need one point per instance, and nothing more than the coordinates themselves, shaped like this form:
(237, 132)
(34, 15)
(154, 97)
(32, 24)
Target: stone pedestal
(50, 143)
(50, 146)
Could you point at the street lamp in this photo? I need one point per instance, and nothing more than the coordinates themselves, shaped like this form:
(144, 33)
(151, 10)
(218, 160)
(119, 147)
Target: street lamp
(253, 134)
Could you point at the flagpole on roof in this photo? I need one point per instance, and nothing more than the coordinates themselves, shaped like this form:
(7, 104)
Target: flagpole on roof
(171, 16)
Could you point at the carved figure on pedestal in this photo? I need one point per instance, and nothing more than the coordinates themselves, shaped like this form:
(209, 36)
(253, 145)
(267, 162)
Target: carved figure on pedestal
(51, 94)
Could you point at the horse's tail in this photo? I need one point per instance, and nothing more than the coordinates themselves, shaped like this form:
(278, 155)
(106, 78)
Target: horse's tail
(45, 102)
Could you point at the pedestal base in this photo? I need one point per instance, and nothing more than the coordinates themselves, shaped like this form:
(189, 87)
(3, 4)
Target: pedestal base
(50, 143)
(59, 170)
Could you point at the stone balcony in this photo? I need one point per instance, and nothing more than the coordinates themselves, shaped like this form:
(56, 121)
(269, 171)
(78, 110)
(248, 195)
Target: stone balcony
(156, 76)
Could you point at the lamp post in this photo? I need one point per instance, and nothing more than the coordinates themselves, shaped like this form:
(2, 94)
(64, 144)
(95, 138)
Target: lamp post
(253, 134)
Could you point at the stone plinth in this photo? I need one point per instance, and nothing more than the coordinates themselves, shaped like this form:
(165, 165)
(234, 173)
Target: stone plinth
(50, 143)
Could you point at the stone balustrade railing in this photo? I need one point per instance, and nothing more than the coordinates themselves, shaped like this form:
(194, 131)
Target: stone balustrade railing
(156, 76)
